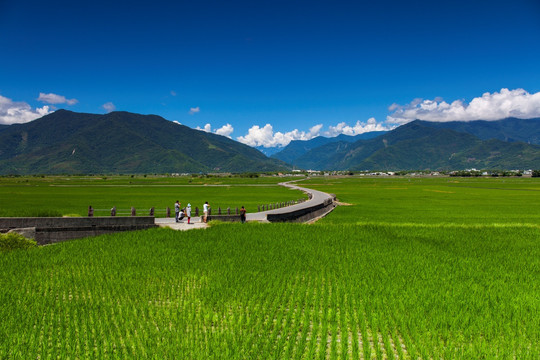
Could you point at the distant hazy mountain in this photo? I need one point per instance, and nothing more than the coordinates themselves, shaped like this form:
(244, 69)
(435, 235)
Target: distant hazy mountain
(419, 146)
(3, 127)
(269, 151)
(510, 129)
(121, 142)
(296, 148)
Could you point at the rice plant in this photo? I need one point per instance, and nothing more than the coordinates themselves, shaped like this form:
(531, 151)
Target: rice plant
(388, 276)
(277, 291)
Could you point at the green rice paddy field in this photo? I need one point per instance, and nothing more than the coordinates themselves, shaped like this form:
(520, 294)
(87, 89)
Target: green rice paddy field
(71, 196)
(415, 268)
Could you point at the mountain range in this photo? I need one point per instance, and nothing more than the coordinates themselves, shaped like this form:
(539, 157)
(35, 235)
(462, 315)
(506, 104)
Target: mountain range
(297, 148)
(121, 142)
(66, 142)
(509, 129)
(422, 145)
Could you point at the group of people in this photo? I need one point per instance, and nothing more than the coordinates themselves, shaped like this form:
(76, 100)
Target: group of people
(180, 212)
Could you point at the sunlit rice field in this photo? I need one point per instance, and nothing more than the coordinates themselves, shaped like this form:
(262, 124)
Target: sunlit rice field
(387, 276)
(439, 201)
(71, 196)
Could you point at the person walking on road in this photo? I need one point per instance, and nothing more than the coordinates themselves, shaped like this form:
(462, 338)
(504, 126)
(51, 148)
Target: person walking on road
(176, 210)
(243, 215)
(205, 211)
(188, 212)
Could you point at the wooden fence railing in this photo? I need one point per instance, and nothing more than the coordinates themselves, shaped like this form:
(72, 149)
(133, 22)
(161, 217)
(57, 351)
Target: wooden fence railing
(195, 212)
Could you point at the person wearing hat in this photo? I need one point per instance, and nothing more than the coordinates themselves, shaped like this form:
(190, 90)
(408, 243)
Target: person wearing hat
(188, 212)
(206, 206)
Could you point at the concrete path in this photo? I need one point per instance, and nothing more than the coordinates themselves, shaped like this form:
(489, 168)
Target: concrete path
(317, 197)
(195, 223)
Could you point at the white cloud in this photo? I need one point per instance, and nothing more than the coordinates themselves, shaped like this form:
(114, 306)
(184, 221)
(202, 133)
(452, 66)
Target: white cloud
(357, 129)
(18, 112)
(173, 93)
(177, 122)
(55, 99)
(225, 130)
(315, 130)
(207, 128)
(194, 110)
(108, 107)
(265, 136)
(498, 105)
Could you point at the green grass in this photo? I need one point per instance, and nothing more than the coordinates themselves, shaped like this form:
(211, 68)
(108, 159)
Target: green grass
(433, 200)
(390, 276)
(277, 291)
(60, 196)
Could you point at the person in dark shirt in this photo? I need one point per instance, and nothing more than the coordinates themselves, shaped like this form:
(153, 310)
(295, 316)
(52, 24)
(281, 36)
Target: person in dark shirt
(243, 215)
(176, 209)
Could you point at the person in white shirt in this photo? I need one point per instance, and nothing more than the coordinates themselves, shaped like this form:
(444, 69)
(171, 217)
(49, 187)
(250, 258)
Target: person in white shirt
(188, 212)
(205, 211)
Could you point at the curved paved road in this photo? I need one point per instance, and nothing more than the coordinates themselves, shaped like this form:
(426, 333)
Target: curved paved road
(317, 197)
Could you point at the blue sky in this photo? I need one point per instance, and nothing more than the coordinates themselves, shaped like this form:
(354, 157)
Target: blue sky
(267, 72)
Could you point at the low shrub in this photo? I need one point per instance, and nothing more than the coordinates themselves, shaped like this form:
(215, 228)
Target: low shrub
(14, 241)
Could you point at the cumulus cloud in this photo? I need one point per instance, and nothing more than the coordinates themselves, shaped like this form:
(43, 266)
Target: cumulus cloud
(225, 130)
(55, 99)
(177, 122)
(108, 107)
(194, 110)
(18, 112)
(266, 137)
(357, 129)
(490, 106)
(314, 131)
(207, 128)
